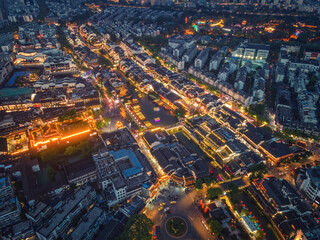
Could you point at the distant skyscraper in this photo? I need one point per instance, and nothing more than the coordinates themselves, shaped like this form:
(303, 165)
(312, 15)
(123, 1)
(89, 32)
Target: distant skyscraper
(288, 2)
(275, 2)
(300, 2)
(263, 2)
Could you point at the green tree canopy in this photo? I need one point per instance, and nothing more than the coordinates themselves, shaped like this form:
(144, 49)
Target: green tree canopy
(213, 193)
(138, 227)
(69, 151)
(51, 173)
(50, 155)
(234, 192)
(198, 184)
(215, 227)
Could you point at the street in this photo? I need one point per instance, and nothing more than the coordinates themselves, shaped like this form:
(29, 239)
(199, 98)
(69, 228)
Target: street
(184, 208)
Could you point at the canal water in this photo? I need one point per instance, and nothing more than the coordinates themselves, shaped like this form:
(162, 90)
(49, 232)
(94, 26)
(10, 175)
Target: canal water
(155, 114)
(160, 118)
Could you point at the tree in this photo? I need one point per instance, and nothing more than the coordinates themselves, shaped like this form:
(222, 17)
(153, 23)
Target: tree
(50, 155)
(208, 181)
(67, 115)
(85, 148)
(213, 193)
(233, 188)
(198, 184)
(69, 151)
(259, 235)
(234, 192)
(138, 227)
(104, 62)
(51, 173)
(215, 227)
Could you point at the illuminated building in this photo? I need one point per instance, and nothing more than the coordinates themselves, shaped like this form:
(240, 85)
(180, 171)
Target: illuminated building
(30, 57)
(123, 169)
(175, 160)
(59, 63)
(131, 47)
(285, 207)
(252, 52)
(311, 55)
(249, 225)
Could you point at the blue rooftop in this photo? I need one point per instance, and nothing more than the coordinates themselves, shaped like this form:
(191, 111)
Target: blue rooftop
(146, 185)
(2, 182)
(126, 153)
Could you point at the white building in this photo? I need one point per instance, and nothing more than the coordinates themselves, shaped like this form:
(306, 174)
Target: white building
(216, 61)
(201, 58)
(308, 181)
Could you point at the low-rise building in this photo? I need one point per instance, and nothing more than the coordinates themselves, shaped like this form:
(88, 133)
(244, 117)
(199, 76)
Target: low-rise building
(59, 224)
(285, 207)
(9, 205)
(89, 225)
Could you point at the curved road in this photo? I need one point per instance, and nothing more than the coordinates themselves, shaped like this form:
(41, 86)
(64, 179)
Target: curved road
(185, 209)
